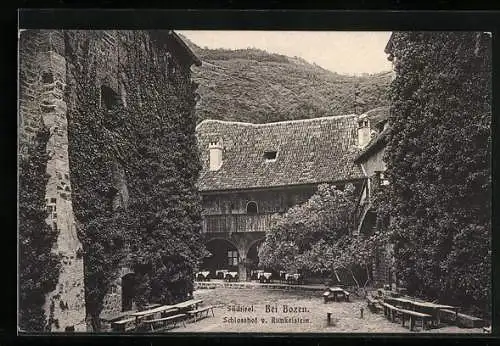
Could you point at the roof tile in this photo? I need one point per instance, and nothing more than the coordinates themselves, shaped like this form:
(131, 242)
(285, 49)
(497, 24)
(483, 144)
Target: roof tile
(309, 151)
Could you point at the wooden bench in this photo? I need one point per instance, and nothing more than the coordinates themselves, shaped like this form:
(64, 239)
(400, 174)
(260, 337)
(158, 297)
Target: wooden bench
(390, 311)
(165, 321)
(373, 304)
(413, 315)
(124, 325)
(195, 313)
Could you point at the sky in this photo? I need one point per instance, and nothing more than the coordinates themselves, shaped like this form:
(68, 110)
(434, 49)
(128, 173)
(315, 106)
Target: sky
(347, 52)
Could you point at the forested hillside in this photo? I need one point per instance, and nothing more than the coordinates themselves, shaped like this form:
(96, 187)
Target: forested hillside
(256, 86)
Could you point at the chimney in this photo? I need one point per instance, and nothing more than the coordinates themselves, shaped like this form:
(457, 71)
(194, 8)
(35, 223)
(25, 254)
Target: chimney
(215, 149)
(364, 133)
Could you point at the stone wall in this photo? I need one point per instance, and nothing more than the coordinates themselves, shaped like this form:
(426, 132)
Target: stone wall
(41, 103)
(112, 303)
(45, 94)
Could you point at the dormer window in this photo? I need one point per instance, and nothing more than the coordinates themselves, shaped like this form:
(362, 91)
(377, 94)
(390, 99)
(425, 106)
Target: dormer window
(270, 155)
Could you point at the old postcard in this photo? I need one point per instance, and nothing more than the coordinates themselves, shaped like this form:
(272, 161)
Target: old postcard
(241, 181)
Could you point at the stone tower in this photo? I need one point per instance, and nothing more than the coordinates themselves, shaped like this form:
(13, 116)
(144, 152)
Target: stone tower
(42, 81)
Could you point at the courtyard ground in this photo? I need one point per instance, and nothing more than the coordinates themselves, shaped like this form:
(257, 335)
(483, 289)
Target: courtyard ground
(345, 315)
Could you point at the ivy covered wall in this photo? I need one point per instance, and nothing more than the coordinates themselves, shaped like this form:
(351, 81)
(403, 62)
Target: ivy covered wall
(45, 190)
(134, 163)
(438, 160)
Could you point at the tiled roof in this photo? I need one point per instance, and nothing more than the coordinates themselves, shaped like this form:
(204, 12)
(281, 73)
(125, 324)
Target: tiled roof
(308, 151)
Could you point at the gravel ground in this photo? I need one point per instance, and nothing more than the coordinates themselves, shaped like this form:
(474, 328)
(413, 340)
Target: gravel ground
(312, 318)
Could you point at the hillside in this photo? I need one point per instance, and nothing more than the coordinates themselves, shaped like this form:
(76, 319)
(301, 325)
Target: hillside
(252, 85)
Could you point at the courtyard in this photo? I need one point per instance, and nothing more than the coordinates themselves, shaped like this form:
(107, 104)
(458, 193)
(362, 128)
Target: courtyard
(279, 311)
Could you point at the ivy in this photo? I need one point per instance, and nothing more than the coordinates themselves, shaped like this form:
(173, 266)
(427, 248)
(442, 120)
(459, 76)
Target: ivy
(150, 138)
(439, 165)
(38, 266)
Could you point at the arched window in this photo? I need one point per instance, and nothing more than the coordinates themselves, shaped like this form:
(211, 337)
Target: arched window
(252, 208)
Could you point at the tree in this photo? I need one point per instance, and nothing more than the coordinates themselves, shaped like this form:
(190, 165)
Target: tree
(316, 237)
(438, 159)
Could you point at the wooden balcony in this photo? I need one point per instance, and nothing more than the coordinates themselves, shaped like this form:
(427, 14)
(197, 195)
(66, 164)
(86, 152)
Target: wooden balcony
(236, 223)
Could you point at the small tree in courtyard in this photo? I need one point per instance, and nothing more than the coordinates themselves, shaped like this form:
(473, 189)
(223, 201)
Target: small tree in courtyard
(316, 237)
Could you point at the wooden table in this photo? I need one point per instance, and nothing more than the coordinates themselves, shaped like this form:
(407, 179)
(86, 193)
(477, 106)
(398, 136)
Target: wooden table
(221, 273)
(188, 304)
(336, 291)
(264, 276)
(230, 276)
(292, 278)
(256, 273)
(203, 274)
(165, 309)
(414, 305)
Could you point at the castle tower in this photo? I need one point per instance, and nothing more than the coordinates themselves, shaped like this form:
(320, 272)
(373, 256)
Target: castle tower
(41, 103)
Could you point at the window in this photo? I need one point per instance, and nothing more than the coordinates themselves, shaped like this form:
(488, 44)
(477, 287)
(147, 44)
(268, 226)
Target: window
(47, 78)
(363, 123)
(170, 66)
(270, 155)
(252, 208)
(232, 257)
(382, 179)
(109, 98)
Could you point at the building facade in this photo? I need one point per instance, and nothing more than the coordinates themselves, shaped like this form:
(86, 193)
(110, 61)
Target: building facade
(47, 94)
(251, 172)
(371, 161)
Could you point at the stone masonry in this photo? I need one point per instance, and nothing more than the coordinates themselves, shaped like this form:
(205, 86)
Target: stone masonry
(42, 82)
(45, 96)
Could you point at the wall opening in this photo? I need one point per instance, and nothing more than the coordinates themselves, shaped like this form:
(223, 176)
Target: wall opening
(253, 260)
(252, 208)
(223, 256)
(270, 155)
(109, 98)
(129, 285)
(47, 78)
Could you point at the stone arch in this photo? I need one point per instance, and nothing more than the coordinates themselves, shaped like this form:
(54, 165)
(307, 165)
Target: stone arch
(125, 270)
(224, 255)
(252, 255)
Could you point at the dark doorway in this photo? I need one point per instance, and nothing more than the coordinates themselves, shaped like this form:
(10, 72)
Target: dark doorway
(253, 256)
(129, 284)
(253, 260)
(224, 255)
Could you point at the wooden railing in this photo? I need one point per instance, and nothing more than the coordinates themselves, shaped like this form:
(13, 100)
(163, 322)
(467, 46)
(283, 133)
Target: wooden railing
(236, 223)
